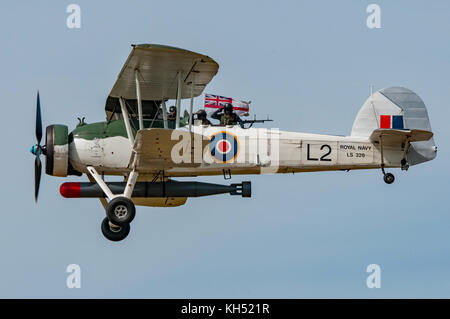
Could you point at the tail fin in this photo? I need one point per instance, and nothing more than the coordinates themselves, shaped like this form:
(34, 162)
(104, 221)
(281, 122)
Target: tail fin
(396, 108)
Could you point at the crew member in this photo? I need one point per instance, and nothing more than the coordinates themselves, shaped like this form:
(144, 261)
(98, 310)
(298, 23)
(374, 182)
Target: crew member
(172, 116)
(201, 116)
(228, 117)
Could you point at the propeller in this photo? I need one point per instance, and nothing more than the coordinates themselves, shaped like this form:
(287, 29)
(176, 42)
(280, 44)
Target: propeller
(37, 149)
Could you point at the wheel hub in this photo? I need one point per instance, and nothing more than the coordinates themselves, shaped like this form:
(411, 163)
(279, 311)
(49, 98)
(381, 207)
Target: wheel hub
(114, 228)
(120, 211)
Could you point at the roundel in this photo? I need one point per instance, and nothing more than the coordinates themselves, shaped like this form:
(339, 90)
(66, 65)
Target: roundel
(223, 146)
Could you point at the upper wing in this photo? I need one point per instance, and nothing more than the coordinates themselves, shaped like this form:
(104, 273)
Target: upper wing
(160, 149)
(158, 66)
(393, 136)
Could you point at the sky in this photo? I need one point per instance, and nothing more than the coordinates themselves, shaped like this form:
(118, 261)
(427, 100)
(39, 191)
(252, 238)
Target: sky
(309, 65)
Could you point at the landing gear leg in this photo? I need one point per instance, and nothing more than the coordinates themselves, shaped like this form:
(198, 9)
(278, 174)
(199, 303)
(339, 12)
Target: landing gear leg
(387, 177)
(404, 161)
(120, 210)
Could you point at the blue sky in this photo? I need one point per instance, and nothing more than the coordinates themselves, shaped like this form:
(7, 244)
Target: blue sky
(309, 65)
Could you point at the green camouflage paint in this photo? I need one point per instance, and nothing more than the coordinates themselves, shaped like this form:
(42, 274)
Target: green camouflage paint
(116, 128)
(60, 134)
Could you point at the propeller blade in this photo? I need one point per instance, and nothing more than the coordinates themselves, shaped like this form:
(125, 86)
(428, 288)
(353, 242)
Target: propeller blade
(37, 176)
(38, 120)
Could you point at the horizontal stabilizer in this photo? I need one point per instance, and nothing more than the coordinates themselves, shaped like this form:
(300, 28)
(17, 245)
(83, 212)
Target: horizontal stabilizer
(394, 136)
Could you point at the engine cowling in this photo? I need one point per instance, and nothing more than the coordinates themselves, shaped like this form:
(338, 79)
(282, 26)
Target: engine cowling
(57, 150)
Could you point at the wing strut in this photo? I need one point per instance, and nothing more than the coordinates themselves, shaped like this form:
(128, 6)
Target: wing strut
(180, 83)
(126, 120)
(164, 111)
(139, 100)
(192, 103)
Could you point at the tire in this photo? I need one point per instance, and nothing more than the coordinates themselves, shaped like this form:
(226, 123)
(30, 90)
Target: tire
(120, 211)
(389, 178)
(118, 234)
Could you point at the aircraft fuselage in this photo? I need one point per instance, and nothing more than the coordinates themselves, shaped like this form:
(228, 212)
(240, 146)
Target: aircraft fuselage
(106, 147)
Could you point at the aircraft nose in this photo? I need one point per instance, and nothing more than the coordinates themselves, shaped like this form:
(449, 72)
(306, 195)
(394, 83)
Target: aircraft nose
(33, 150)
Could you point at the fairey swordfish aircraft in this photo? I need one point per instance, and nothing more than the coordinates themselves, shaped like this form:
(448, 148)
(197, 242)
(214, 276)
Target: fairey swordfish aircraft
(139, 142)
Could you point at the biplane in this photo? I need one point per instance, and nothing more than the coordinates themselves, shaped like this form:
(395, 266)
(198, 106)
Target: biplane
(139, 142)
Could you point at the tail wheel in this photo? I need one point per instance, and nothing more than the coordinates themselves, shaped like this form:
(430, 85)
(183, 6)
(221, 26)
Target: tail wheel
(113, 232)
(120, 211)
(389, 178)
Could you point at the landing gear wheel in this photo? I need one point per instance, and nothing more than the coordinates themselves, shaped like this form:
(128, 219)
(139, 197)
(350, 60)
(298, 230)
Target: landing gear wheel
(389, 178)
(114, 233)
(120, 211)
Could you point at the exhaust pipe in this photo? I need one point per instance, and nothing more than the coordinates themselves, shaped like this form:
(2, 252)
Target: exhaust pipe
(156, 189)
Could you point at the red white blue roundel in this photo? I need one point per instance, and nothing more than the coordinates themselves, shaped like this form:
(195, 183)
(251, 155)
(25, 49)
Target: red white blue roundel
(223, 146)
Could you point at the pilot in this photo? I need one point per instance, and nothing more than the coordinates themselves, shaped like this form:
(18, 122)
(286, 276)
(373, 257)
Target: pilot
(228, 117)
(172, 116)
(201, 116)
(159, 115)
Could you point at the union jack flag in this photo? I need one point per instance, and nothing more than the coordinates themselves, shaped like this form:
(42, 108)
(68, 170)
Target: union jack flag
(214, 102)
